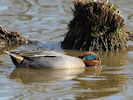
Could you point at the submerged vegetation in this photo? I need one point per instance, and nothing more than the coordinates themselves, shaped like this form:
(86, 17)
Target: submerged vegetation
(96, 26)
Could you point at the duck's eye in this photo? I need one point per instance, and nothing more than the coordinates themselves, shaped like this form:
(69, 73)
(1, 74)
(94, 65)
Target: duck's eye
(81, 57)
(90, 57)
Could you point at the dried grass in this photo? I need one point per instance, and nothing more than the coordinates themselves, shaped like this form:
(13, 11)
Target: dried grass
(8, 38)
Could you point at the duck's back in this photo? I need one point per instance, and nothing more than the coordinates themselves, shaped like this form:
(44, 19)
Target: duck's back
(50, 59)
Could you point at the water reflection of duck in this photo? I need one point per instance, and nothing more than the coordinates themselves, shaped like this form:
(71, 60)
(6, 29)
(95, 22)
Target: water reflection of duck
(52, 59)
(31, 75)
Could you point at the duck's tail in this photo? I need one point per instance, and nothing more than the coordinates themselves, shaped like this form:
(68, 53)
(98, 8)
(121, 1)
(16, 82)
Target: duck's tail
(17, 57)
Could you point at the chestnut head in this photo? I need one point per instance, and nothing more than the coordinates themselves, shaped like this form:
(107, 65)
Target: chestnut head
(90, 58)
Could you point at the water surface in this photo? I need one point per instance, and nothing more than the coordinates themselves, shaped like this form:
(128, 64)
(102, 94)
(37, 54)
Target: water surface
(45, 21)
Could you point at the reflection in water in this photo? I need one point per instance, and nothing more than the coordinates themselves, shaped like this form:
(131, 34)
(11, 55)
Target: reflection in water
(48, 83)
(26, 75)
(95, 87)
(78, 84)
(1, 62)
(45, 83)
(114, 59)
(47, 3)
(21, 6)
(24, 17)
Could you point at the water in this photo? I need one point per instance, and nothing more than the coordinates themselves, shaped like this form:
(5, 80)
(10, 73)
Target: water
(44, 20)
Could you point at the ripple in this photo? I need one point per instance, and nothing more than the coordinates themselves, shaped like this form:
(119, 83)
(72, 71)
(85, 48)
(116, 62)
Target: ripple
(47, 3)
(91, 78)
(24, 17)
(130, 17)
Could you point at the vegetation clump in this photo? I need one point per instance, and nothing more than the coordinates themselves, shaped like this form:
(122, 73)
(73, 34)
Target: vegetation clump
(9, 39)
(95, 26)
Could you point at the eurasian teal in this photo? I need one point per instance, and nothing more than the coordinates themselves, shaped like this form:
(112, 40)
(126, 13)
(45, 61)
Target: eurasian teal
(52, 59)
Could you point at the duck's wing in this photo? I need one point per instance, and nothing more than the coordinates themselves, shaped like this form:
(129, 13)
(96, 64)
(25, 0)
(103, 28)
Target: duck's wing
(38, 53)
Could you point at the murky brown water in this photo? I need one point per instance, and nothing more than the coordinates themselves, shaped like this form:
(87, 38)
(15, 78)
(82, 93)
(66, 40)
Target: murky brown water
(43, 20)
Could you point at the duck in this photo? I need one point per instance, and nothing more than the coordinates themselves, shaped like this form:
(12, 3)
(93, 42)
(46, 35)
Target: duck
(53, 59)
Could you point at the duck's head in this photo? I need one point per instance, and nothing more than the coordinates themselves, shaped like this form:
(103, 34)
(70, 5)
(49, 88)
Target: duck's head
(90, 58)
